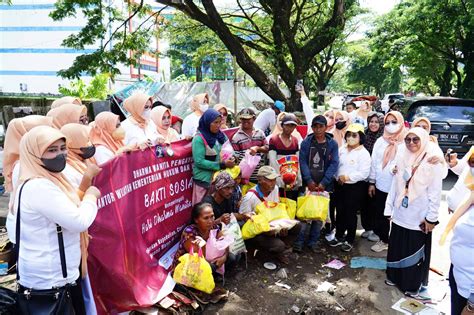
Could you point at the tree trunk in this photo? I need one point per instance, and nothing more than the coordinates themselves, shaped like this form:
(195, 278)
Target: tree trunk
(446, 80)
(199, 73)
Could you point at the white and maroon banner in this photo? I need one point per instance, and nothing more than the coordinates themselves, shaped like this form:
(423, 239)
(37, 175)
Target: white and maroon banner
(145, 204)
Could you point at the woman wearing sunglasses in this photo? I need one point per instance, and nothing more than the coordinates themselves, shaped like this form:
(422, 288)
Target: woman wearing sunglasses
(381, 173)
(354, 168)
(412, 205)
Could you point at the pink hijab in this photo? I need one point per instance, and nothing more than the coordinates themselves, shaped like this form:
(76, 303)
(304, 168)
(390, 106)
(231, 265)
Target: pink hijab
(393, 139)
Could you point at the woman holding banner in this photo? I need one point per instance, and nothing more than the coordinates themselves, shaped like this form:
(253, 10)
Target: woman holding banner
(139, 128)
(107, 136)
(50, 218)
(199, 105)
(206, 148)
(161, 116)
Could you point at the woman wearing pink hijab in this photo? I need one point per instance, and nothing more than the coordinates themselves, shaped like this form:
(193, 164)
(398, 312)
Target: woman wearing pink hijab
(161, 116)
(199, 105)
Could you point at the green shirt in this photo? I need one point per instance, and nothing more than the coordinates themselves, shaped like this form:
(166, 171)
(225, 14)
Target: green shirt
(206, 160)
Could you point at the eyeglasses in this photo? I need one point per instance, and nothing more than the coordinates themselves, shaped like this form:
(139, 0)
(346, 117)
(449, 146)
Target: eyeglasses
(393, 122)
(415, 140)
(352, 134)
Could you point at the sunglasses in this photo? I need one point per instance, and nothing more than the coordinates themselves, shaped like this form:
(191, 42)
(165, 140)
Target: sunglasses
(415, 140)
(393, 122)
(352, 134)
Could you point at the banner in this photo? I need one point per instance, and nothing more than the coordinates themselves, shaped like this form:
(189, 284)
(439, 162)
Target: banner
(145, 204)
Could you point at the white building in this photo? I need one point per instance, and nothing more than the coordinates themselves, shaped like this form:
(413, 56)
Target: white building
(31, 51)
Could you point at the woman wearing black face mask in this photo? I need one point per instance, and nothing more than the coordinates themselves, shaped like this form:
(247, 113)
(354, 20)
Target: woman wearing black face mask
(44, 200)
(81, 166)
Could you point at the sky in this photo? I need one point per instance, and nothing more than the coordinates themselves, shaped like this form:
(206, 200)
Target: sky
(379, 6)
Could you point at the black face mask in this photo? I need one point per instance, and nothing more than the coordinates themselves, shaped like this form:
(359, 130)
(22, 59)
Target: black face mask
(340, 125)
(55, 165)
(87, 152)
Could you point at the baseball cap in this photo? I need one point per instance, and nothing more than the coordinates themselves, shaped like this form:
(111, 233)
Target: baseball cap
(356, 128)
(247, 113)
(280, 105)
(320, 119)
(268, 172)
(289, 119)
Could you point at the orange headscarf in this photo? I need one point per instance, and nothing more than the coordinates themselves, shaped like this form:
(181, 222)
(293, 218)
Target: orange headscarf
(101, 133)
(393, 139)
(421, 178)
(364, 110)
(339, 134)
(428, 122)
(135, 105)
(168, 133)
(224, 121)
(17, 128)
(278, 129)
(66, 100)
(330, 125)
(198, 99)
(66, 114)
(32, 147)
(77, 136)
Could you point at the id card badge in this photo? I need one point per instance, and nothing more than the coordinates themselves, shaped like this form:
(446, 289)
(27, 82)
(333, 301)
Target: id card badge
(405, 202)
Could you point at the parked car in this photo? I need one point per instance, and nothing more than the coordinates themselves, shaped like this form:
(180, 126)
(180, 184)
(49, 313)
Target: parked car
(396, 96)
(452, 121)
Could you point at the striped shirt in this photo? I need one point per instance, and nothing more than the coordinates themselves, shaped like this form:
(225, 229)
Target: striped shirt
(241, 142)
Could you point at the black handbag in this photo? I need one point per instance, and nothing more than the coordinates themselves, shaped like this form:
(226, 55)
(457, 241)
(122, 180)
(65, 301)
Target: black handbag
(55, 301)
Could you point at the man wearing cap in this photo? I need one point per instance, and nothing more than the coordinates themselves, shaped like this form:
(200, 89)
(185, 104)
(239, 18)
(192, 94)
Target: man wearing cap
(266, 190)
(266, 120)
(319, 161)
(251, 139)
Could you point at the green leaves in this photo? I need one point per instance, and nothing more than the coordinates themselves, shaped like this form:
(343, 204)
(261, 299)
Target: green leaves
(97, 88)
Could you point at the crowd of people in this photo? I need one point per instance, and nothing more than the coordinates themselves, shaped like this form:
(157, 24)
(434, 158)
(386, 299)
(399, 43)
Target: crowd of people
(366, 161)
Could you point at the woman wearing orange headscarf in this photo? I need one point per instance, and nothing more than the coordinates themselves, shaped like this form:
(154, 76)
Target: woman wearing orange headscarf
(80, 168)
(425, 123)
(198, 105)
(279, 129)
(66, 100)
(139, 128)
(341, 123)
(222, 109)
(330, 115)
(413, 206)
(68, 114)
(161, 116)
(45, 200)
(107, 136)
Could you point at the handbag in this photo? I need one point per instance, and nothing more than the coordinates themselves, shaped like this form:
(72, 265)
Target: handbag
(53, 301)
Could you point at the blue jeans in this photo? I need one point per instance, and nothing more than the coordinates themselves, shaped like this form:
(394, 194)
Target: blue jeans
(315, 229)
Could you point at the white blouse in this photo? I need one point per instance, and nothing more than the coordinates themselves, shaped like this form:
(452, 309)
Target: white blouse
(73, 176)
(190, 125)
(354, 163)
(103, 154)
(136, 135)
(44, 204)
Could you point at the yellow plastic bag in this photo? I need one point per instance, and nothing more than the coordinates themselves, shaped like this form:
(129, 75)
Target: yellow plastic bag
(258, 224)
(272, 210)
(247, 187)
(313, 207)
(290, 207)
(195, 272)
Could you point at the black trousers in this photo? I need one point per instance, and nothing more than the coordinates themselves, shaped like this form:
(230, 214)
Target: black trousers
(382, 225)
(367, 212)
(457, 301)
(349, 198)
(332, 212)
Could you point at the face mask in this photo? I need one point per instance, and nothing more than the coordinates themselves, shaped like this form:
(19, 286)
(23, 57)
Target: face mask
(146, 114)
(352, 141)
(87, 152)
(56, 164)
(203, 107)
(340, 125)
(118, 134)
(392, 128)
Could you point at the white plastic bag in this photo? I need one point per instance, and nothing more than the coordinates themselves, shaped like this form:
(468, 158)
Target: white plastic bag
(233, 228)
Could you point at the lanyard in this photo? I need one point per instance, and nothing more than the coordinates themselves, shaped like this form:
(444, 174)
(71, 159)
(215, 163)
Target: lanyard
(413, 171)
